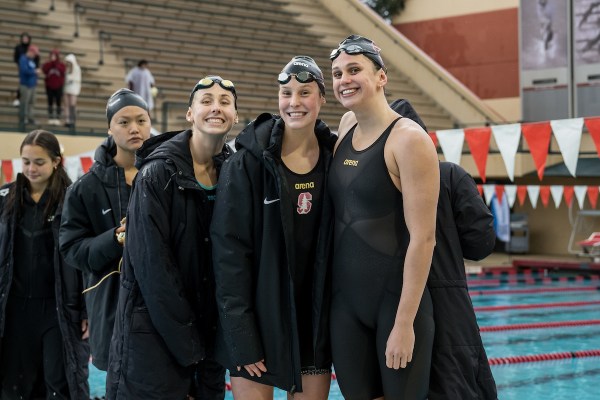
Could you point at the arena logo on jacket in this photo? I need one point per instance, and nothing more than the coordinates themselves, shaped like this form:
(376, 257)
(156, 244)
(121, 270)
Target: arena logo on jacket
(4, 192)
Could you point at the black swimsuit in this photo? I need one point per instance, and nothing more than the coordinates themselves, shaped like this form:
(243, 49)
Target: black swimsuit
(370, 244)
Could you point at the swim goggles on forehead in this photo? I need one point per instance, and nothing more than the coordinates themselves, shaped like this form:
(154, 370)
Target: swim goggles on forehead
(209, 81)
(302, 77)
(351, 49)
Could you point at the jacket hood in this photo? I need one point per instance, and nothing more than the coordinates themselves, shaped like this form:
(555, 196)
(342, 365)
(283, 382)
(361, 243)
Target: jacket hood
(175, 147)
(105, 152)
(71, 58)
(265, 133)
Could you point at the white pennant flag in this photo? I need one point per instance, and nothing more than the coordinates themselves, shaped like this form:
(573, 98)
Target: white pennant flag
(568, 136)
(580, 193)
(533, 191)
(488, 192)
(73, 167)
(557, 194)
(17, 167)
(511, 194)
(507, 139)
(451, 141)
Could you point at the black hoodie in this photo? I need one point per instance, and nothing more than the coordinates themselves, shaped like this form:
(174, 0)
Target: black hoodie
(254, 259)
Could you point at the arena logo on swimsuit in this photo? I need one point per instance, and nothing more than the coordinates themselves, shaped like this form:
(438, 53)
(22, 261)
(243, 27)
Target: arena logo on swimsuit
(307, 185)
(352, 163)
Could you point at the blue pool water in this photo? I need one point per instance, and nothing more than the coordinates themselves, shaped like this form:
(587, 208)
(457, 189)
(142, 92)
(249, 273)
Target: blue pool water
(560, 379)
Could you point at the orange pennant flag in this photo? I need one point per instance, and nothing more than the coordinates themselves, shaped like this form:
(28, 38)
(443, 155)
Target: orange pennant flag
(538, 136)
(593, 126)
(499, 193)
(86, 163)
(480, 189)
(478, 140)
(545, 194)
(7, 169)
(433, 137)
(521, 194)
(592, 192)
(568, 191)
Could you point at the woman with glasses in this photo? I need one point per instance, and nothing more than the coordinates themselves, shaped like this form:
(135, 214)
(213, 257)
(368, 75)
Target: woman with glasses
(270, 235)
(164, 333)
(43, 326)
(384, 182)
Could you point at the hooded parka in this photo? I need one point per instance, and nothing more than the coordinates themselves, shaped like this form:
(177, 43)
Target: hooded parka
(465, 229)
(253, 252)
(94, 207)
(67, 287)
(166, 316)
(459, 367)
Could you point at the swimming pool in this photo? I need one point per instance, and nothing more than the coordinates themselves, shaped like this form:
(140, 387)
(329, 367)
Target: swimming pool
(521, 299)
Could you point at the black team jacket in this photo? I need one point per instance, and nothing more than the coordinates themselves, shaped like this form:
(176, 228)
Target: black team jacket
(68, 285)
(166, 315)
(94, 207)
(253, 252)
(465, 229)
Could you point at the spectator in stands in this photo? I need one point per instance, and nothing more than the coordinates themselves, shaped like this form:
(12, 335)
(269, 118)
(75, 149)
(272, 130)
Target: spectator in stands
(54, 70)
(141, 81)
(28, 77)
(465, 229)
(384, 181)
(42, 314)
(94, 211)
(20, 49)
(167, 313)
(270, 234)
(72, 90)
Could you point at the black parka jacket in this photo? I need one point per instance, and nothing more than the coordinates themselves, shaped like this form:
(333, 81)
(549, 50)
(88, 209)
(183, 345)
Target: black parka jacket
(68, 285)
(464, 229)
(94, 207)
(254, 259)
(166, 316)
(459, 367)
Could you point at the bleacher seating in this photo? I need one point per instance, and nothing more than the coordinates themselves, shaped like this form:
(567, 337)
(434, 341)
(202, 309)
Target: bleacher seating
(183, 40)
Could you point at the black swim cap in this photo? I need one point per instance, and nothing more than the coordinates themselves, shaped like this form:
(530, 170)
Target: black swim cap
(356, 44)
(123, 98)
(306, 63)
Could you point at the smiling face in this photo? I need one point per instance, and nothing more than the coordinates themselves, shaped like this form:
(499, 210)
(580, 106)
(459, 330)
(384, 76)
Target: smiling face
(212, 111)
(299, 104)
(356, 80)
(130, 127)
(38, 166)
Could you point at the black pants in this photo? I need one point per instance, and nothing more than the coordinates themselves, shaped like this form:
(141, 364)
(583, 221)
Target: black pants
(32, 342)
(54, 97)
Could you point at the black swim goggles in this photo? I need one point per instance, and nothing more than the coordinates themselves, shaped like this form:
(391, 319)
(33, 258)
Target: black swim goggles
(209, 81)
(302, 77)
(354, 49)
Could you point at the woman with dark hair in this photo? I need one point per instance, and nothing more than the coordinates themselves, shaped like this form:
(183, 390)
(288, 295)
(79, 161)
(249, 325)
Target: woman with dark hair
(42, 323)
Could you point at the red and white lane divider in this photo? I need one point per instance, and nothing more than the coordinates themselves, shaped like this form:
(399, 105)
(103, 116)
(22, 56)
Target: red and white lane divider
(533, 306)
(539, 325)
(527, 291)
(544, 357)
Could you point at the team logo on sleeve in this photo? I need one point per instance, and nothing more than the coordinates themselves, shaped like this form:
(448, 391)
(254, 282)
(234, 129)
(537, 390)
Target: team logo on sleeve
(304, 203)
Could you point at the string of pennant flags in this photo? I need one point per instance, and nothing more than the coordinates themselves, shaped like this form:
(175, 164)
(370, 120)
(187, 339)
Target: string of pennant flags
(558, 193)
(567, 133)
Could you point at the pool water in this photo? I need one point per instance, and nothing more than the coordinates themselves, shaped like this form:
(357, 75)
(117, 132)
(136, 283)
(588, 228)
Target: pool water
(577, 378)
